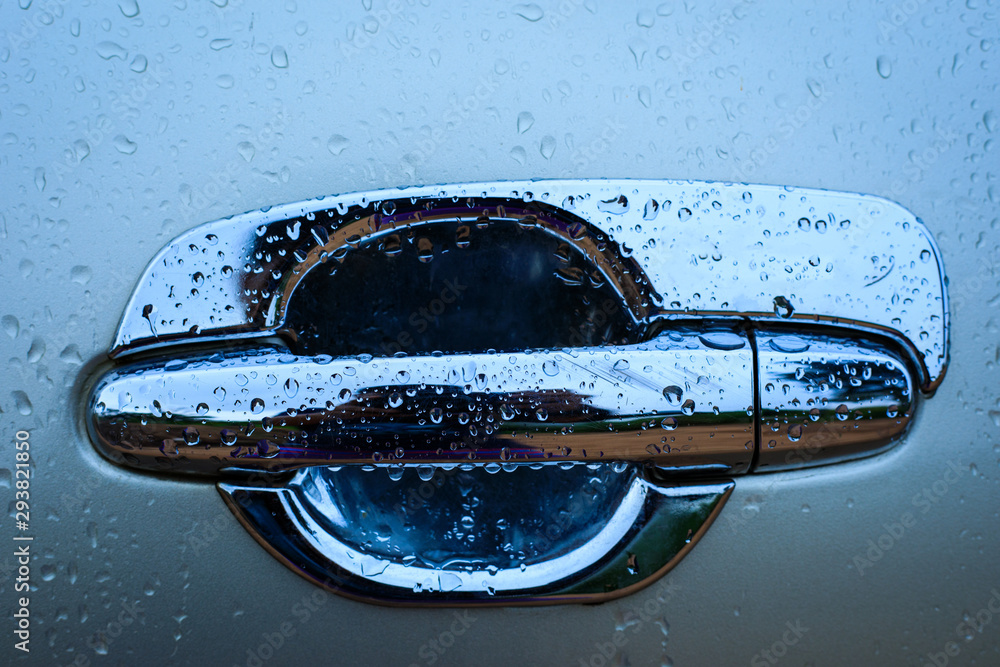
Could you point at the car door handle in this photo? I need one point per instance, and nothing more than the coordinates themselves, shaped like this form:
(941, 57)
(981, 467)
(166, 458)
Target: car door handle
(683, 401)
(701, 387)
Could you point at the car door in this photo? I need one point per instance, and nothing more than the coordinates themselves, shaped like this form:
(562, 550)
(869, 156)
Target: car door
(124, 125)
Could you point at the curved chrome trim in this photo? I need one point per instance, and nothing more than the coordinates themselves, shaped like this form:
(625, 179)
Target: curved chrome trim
(731, 249)
(838, 270)
(661, 522)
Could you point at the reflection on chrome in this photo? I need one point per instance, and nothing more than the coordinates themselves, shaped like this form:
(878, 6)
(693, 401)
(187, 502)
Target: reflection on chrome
(683, 402)
(588, 534)
(622, 349)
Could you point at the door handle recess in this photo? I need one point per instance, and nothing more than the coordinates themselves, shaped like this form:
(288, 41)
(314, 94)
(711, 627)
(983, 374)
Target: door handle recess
(764, 329)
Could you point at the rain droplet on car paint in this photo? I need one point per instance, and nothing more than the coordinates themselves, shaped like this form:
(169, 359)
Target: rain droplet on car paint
(524, 122)
(884, 66)
(530, 12)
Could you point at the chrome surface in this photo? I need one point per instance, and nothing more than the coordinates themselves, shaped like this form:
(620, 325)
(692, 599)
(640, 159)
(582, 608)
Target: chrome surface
(607, 537)
(822, 313)
(824, 400)
(104, 165)
(681, 401)
(757, 251)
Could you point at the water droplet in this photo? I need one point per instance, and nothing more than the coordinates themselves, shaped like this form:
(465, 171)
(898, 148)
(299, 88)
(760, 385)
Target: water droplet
(650, 210)
(291, 387)
(336, 144)
(531, 12)
(722, 340)
(279, 58)
(684, 214)
(621, 365)
(673, 394)
(645, 96)
(795, 432)
(22, 403)
(257, 405)
(788, 344)
(246, 150)
(783, 307)
(139, 64)
(425, 249)
(267, 449)
(669, 423)
(191, 435)
(71, 355)
(123, 145)
(10, 325)
(436, 414)
(542, 414)
(616, 206)
(550, 368)
(36, 351)
(129, 8)
(109, 50)
(688, 407)
(547, 146)
(884, 66)
(524, 122)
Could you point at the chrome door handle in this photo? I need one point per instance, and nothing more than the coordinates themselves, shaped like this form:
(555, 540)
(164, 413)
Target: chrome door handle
(709, 381)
